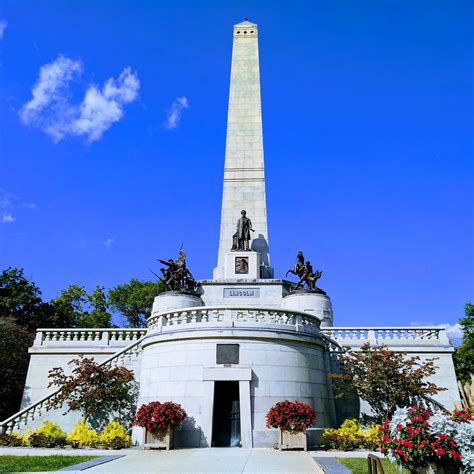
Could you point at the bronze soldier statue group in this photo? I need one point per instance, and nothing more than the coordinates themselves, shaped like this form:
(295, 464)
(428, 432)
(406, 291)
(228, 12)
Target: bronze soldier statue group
(177, 277)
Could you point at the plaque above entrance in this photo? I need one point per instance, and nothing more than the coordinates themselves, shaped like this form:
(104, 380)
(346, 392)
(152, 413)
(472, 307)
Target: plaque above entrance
(241, 292)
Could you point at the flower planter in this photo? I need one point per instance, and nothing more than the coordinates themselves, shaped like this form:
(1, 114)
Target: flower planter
(289, 440)
(160, 440)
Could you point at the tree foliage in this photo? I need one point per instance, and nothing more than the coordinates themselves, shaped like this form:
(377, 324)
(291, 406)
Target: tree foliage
(98, 391)
(14, 358)
(384, 378)
(464, 354)
(74, 307)
(134, 300)
(20, 299)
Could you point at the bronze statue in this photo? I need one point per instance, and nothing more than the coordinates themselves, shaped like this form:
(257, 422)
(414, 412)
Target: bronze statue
(241, 239)
(304, 271)
(175, 274)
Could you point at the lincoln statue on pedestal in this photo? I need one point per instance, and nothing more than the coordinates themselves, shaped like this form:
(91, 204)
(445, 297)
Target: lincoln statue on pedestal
(242, 238)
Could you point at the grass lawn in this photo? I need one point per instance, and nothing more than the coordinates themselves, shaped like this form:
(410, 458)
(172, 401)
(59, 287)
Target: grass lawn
(359, 466)
(39, 463)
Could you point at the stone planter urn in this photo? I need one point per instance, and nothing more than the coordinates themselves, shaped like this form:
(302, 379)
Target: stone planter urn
(160, 440)
(292, 440)
(435, 469)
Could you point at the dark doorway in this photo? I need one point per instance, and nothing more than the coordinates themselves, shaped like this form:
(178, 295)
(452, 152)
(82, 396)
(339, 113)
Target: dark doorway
(226, 415)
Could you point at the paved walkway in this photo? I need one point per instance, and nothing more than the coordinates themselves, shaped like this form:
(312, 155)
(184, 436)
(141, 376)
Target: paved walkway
(228, 460)
(214, 460)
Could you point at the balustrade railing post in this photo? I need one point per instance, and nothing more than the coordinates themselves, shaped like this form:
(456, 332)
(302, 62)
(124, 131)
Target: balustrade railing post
(105, 338)
(299, 322)
(443, 335)
(371, 337)
(38, 338)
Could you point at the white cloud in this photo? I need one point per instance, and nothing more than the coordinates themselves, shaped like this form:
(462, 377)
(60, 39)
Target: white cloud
(9, 203)
(108, 242)
(51, 111)
(173, 116)
(3, 27)
(7, 218)
(6, 199)
(453, 331)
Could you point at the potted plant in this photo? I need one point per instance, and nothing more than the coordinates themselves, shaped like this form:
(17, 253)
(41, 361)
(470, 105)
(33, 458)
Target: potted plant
(292, 419)
(159, 421)
(427, 442)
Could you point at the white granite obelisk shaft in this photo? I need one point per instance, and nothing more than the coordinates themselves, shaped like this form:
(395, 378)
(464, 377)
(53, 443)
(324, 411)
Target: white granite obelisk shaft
(244, 178)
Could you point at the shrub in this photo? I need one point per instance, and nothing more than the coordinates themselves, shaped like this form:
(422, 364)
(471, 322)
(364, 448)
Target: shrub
(156, 416)
(460, 416)
(13, 440)
(47, 435)
(291, 416)
(81, 436)
(115, 436)
(351, 436)
(372, 437)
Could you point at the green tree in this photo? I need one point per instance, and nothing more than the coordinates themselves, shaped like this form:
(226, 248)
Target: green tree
(74, 307)
(20, 298)
(383, 378)
(70, 306)
(134, 300)
(464, 354)
(98, 315)
(14, 358)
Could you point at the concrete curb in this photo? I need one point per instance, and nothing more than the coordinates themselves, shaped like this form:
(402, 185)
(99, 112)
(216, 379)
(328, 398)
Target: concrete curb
(82, 466)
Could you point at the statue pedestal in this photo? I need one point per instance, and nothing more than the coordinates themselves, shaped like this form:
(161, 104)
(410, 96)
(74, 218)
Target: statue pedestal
(170, 300)
(310, 302)
(242, 264)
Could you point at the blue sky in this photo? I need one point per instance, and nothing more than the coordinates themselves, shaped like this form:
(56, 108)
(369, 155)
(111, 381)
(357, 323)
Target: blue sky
(367, 110)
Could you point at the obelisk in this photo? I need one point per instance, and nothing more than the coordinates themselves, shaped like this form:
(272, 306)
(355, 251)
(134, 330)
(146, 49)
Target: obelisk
(244, 177)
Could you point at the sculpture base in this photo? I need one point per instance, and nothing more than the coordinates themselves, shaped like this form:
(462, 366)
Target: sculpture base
(169, 300)
(309, 290)
(311, 302)
(242, 264)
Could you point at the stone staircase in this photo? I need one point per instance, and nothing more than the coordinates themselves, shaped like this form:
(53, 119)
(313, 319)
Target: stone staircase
(19, 421)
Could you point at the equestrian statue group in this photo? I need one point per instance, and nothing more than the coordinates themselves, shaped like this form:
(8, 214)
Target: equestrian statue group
(307, 277)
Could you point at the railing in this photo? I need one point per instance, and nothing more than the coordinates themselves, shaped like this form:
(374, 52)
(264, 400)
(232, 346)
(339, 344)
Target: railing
(96, 337)
(35, 409)
(234, 316)
(386, 335)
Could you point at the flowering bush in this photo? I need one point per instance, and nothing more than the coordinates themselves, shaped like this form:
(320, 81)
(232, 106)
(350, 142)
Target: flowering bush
(291, 416)
(81, 436)
(115, 436)
(156, 416)
(47, 435)
(462, 415)
(415, 437)
(351, 436)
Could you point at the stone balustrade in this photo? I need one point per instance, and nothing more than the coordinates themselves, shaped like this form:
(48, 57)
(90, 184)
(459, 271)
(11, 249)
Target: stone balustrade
(235, 316)
(119, 337)
(387, 335)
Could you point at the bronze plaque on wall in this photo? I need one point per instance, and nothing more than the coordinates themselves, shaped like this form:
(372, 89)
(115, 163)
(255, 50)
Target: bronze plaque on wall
(241, 265)
(227, 354)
